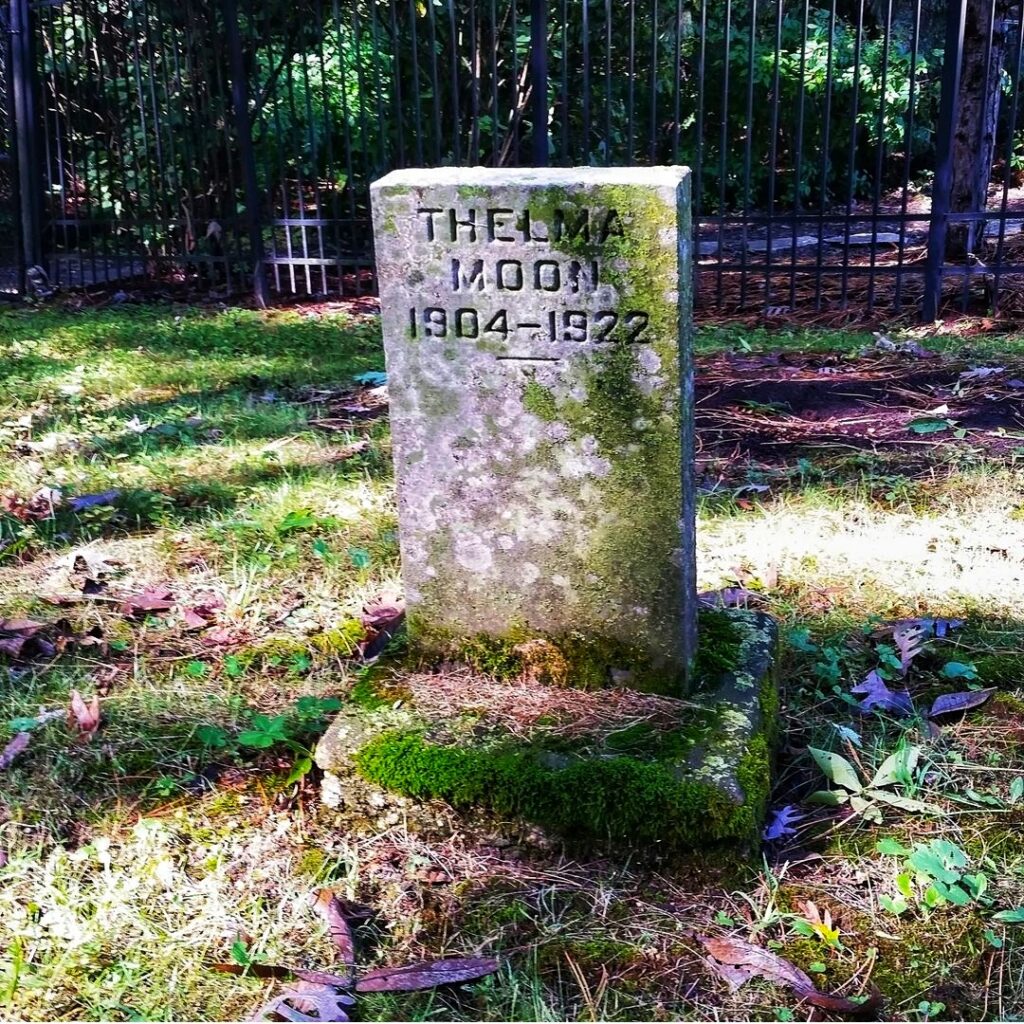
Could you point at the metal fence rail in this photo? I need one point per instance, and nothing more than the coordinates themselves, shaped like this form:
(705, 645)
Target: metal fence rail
(229, 144)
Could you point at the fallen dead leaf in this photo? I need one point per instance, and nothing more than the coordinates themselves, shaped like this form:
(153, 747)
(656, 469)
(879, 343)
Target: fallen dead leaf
(429, 974)
(951, 703)
(201, 614)
(910, 638)
(333, 911)
(23, 637)
(14, 749)
(84, 719)
(154, 599)
(382, 620)
(308, 1001)
(737, 953)
(877, 694)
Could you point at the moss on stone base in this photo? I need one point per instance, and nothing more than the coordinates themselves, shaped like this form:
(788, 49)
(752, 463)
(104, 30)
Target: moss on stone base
(621, 799)
(718, 645)
(584, 662)
(703, 780)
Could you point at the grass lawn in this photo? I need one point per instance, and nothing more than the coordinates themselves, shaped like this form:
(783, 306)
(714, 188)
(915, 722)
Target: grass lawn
(198, 508)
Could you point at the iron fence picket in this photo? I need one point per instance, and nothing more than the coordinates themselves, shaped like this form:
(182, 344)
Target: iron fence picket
(803, 124)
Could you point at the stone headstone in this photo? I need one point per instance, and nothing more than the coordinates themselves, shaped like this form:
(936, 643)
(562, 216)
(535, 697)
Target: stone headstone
(537, 330)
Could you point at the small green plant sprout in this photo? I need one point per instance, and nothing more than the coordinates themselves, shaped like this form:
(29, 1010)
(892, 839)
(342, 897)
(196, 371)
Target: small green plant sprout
(213, 737)
(815, 925)
(233, 666)
(297, 519)
(1015, 916)
(359, 557)
(240, 954)
(765, 408)
(300, 663)
(265, 731)
(934, 875)
(890, 665)
(930, 425)
(800, 640)
(898, 769)
(829, 668)
(927, 1009)
(165, 786)
(295, 730)
(960, 670)
(723, 919)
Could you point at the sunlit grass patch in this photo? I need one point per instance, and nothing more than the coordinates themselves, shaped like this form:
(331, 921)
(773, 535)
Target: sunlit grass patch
(137, 858)
(128, 925)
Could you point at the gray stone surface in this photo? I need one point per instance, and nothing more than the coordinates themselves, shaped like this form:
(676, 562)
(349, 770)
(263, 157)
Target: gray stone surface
(720, 729)
(866, 238)
(783, 243)
(537, 329)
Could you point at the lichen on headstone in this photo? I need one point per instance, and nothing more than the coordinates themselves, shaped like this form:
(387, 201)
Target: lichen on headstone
(537, 331)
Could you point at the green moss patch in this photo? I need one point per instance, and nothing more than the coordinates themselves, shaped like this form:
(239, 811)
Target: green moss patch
(701, 778)
(621, 799)
(582, 661)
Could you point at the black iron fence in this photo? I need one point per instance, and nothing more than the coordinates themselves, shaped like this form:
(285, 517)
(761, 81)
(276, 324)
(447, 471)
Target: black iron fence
(846, 153)
(10, 258)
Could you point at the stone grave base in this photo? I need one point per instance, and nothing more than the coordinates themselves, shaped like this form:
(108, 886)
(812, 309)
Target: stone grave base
(595, 769)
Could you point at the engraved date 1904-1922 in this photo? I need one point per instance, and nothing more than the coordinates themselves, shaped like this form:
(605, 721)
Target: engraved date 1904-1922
(603, 327)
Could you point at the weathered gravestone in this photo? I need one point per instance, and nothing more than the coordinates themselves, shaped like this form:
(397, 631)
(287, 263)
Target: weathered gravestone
(537, 330)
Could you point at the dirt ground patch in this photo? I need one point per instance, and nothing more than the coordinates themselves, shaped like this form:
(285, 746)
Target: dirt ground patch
(770, 408)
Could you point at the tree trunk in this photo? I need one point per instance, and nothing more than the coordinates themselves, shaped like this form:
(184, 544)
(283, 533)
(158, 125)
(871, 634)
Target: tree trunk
(974, 130)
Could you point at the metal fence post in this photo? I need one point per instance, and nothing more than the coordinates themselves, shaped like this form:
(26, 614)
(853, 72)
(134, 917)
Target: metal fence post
(243, 128)
(942, 183)
(539, 79)
(29, 173)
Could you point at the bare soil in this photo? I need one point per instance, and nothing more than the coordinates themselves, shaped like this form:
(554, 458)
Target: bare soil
(770, 408)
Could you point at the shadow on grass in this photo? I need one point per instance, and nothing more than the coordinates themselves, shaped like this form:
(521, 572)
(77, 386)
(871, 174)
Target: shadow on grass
(136, 511)
(621, 927)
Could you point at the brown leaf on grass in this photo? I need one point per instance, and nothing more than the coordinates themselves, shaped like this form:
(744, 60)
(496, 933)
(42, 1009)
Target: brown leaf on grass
(203, 611)
(383, 613)
(382, 620)
(432, 876)
(736, 953)
(333, 911)
(15, 633)
(227, 635)
(84, 719)
(20, 637)
(307, 1001)
(40, 506)
(15, 748)
(198, 616)
(429, 974)
(734, 977)
(153, 599)
(910, 638)
(951, 703)
(23, 627)
(12, 645)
